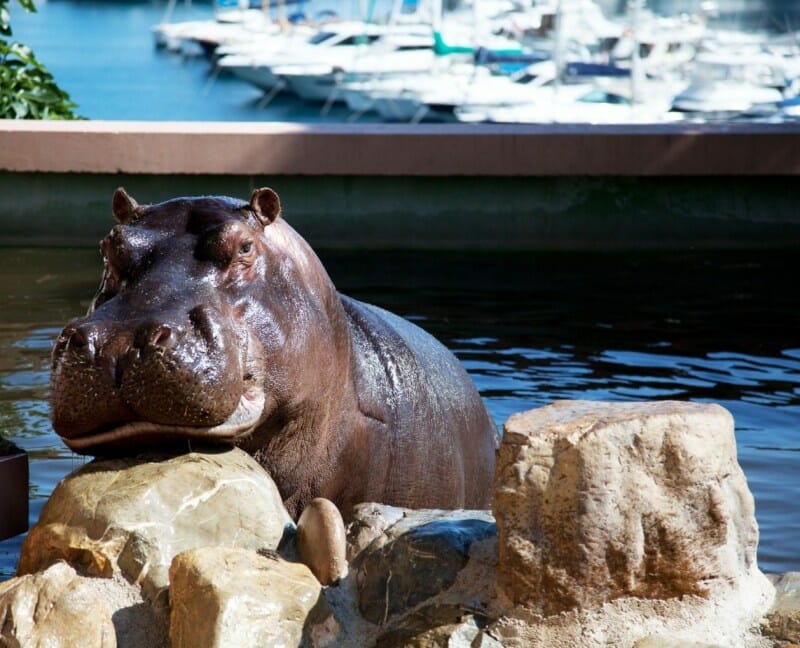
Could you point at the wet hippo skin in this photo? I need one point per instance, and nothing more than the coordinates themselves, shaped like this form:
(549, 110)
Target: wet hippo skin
(215, 321)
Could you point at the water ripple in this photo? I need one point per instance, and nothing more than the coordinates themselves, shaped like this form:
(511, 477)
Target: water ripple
(696, 327)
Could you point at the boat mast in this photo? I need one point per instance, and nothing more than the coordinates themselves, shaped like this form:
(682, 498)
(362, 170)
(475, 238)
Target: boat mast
(635, 7)
(558, 44)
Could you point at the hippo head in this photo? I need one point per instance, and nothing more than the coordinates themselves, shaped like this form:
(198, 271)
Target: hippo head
(187, 335)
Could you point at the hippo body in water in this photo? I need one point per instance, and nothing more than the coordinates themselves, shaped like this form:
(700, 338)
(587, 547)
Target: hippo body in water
(215, 321)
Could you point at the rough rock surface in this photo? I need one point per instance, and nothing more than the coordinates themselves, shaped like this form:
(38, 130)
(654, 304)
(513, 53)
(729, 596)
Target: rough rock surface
(367, 522)
(416, 558)
(783, 620)
(394, 554)
(636, 513)
(234, 597)
(666, 642)
(133, 515)
(54, 609)
(445, 626)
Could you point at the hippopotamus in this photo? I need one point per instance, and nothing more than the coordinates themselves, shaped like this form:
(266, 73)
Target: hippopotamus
(216, 322)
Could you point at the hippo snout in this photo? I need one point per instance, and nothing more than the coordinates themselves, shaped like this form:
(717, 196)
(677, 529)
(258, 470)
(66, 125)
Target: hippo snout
(97, 343)
(184, 372)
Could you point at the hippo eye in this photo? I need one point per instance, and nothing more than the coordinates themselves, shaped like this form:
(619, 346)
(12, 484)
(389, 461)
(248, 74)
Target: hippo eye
(246, 248)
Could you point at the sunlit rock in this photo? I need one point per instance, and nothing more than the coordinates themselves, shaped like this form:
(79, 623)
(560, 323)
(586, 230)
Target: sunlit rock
(133, 515)
(668, 642)
(367, 522)
(438, 626)
(234, 597)
(621, 520)
(783, 620)
(321, 542)
(54, 609)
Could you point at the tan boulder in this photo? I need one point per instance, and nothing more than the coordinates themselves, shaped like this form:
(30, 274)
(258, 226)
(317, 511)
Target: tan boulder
(133, 515)
(667, 642)
(54, 609)
(638, 503)
(234, 597)
(321, 541)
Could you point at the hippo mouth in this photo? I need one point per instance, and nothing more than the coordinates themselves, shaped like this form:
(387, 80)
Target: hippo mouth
(247, 415)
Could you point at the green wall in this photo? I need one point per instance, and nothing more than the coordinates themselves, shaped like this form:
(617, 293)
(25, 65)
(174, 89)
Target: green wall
(421, 212)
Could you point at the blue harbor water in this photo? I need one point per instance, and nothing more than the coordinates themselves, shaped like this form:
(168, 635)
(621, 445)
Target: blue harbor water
(102, 54)
(530, 328)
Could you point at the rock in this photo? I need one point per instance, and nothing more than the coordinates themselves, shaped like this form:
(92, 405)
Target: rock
(321, 541)
(234, 597)
(599, 501)
(446, 626)
(666, 642)
(783, 620)
(54, 609)
(637, 514)
(367, 522)
(414, 559)
(133, 515)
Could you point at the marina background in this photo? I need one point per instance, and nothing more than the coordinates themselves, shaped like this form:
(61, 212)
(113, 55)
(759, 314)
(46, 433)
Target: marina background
(102, 53)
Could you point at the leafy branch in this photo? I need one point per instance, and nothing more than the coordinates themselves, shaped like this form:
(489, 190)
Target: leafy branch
(27, 89)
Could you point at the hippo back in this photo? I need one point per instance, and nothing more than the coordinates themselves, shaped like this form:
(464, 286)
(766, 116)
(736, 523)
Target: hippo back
(433, 441)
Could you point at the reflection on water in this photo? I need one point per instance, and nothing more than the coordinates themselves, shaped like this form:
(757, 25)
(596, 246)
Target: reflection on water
(530, 328)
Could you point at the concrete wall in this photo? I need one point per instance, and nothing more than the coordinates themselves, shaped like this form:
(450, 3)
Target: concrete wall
(423, 186)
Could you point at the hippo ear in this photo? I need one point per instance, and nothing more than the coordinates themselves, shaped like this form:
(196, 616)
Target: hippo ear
(265, 205)
(124, 207)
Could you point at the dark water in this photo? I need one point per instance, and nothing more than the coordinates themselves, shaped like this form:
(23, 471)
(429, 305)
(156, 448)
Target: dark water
(530, 328)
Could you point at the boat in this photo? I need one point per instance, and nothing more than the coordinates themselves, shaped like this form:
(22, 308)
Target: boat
(553, 107)
(321, 81)
(201, 36)
(334, 45)
(732, 83)
(437, 96)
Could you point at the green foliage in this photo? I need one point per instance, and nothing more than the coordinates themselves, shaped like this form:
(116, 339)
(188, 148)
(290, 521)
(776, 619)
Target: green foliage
(27, 89)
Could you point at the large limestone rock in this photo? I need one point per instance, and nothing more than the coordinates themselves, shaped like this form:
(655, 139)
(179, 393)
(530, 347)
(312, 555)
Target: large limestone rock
(234, 597)
(54, 609)
(633, 513)
(133, 515)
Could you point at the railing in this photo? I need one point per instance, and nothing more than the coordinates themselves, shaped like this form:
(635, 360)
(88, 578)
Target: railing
(384, 149)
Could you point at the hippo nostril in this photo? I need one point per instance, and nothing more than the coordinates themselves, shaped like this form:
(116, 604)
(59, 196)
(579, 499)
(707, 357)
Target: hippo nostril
(160, 336)
(74, 336)
(153, 336)
(78, 337)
